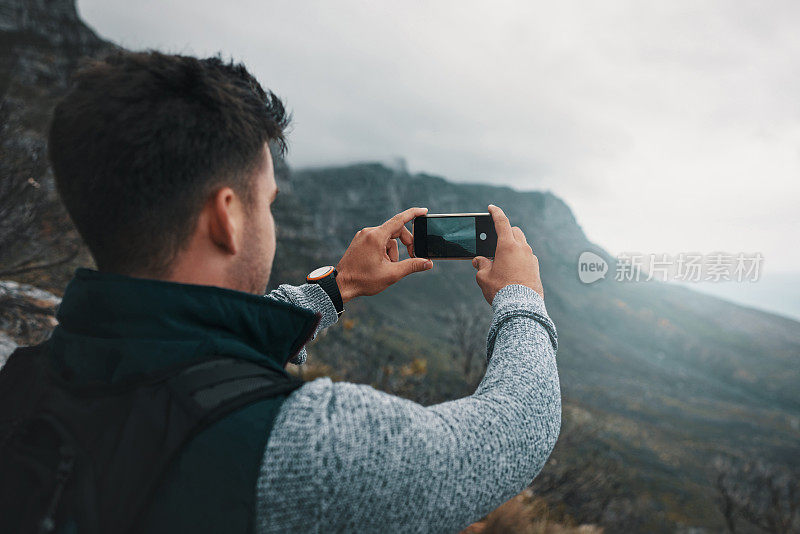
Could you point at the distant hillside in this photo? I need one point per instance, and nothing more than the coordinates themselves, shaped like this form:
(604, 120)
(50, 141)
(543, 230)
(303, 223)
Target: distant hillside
(668, 378)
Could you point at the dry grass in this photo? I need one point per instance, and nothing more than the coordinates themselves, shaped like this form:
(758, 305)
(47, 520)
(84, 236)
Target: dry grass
(525, 514)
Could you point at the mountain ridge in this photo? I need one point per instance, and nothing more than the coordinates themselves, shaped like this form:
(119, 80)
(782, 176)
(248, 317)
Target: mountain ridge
(659, 366)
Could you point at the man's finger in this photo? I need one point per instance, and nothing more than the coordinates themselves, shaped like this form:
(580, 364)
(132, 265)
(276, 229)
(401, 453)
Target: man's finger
(392, 250)
(411, 265)
(481, 262)
(405, 236)
(393, 226)
(408, 240)
(501, 224)
(518, 234)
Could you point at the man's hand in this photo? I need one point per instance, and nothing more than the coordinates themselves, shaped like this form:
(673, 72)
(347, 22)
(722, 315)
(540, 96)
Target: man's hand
(514, 261)
(370, 264)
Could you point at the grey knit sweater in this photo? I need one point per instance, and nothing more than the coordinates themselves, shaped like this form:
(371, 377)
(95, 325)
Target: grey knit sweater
(345, 457)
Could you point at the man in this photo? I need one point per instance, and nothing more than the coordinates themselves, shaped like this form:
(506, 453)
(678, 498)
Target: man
(163, 163)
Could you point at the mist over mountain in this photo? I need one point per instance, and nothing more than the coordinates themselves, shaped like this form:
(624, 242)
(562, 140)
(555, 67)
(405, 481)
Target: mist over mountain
(776, 292)
(657, 380)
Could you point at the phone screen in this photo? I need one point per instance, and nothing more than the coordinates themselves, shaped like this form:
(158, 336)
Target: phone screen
(451, 237)
(454, 236)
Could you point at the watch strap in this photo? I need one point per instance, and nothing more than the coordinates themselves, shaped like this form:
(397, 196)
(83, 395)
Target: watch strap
(332, 289)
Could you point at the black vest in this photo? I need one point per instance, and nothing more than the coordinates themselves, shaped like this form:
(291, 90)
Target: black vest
(113, 326)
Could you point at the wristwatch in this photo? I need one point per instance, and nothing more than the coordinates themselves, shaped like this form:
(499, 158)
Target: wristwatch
(326, 278)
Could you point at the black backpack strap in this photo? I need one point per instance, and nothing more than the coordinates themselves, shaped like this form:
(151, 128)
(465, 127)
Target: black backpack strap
(224, 383)
(101, 451)
(211, 390)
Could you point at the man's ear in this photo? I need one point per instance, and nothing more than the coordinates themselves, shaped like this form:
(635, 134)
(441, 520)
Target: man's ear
(223, 219)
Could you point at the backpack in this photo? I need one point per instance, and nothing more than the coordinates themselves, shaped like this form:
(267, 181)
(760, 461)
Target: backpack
(88, 458)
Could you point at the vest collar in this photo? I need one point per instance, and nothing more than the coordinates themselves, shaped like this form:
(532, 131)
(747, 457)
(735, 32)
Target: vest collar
(110, 306)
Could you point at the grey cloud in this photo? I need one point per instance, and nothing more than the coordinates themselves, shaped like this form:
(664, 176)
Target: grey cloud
(680, 115)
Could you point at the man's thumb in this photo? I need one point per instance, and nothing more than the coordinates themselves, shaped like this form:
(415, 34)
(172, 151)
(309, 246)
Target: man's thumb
(481, 262)
(413, 265)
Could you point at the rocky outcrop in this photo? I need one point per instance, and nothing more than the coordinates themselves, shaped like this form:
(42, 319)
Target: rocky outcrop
(42, 44)
(43, 41)
(27, 316)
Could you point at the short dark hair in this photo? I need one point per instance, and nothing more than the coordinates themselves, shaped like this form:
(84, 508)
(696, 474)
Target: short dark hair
(142, 139)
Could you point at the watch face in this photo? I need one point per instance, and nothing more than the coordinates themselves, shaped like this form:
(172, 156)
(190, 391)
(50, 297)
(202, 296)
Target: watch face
(320, 273)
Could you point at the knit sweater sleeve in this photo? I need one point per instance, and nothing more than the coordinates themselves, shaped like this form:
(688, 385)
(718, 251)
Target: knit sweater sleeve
(346, 457)
(310, 296)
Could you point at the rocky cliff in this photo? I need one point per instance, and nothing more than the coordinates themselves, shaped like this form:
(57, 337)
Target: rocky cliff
(667, 378)
(42, 43)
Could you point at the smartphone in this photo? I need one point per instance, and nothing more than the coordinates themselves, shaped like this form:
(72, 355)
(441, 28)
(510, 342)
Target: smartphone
(454, 236)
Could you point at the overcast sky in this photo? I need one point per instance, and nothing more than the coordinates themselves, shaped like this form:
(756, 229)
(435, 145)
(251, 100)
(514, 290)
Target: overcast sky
(667, 126)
